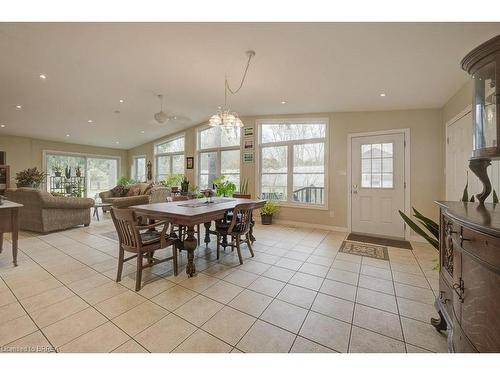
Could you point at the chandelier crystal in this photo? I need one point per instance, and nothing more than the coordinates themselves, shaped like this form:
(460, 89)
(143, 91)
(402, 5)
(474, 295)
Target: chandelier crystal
(225, 118)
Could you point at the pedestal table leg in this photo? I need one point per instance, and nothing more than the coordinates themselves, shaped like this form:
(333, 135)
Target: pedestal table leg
(190, 244)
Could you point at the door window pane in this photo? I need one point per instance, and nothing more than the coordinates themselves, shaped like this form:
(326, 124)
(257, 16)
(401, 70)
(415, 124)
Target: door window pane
(101, 175)
(377, 165)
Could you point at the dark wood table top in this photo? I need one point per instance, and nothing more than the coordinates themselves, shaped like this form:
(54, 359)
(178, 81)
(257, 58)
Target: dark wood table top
(484, 218)
(194, 211)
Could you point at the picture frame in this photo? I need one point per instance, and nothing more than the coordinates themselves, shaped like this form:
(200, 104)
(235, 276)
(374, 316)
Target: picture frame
(248, 157)
(189, 162)
(248, 144)
(248, 132)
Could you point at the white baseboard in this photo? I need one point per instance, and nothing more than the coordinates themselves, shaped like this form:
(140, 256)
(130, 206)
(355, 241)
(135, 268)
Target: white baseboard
(310, 225)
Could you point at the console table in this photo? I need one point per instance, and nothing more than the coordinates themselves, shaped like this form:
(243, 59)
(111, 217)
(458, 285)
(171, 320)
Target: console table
(9, 214)
(469, 278)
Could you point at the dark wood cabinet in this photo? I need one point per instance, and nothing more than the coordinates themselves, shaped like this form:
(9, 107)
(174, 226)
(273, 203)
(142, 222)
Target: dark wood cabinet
(469, 282)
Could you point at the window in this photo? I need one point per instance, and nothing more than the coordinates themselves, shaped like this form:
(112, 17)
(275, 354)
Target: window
(139, 168)
(101, 172)
(376, 165)
(218, 154)
(292, 161)
(169, 157)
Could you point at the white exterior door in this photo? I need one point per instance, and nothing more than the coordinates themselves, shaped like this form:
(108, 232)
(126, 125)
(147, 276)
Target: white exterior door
(378, 184)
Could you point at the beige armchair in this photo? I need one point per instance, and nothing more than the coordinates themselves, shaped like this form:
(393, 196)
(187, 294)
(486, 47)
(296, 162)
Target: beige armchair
(42, 212)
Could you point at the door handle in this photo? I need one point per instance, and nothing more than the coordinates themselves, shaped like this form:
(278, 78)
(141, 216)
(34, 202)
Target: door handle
(355, 189)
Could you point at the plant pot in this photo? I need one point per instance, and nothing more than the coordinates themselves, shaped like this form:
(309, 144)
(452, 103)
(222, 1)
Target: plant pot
(266, 219)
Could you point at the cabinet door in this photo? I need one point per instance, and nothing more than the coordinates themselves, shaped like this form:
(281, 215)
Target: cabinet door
(480, 312)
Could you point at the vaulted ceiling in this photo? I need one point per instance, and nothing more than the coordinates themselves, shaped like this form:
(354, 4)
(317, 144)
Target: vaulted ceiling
(323, 67)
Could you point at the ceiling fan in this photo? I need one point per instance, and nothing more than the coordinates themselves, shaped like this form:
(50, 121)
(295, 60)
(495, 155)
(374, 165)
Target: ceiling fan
(163, 117)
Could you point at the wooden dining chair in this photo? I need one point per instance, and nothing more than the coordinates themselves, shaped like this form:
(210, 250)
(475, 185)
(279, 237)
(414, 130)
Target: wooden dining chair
(143, 240)
(239, 226)
(180, 229)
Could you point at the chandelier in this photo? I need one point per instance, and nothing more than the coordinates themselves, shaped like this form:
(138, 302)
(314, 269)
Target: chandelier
(225, 118)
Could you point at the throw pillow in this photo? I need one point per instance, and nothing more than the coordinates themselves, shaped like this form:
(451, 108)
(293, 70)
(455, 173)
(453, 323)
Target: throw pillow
(133, 191)
(125, 191)
(148, 189)
(117, 191)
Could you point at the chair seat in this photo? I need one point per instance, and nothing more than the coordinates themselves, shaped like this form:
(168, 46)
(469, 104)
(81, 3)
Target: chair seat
(150, 237)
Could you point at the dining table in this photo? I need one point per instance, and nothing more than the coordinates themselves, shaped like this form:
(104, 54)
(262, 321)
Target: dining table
(9, 222)
(190, 213)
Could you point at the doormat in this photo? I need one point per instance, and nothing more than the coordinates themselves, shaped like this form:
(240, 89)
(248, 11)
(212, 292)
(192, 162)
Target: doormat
(365, 249)
(111, 235)
(379, 241)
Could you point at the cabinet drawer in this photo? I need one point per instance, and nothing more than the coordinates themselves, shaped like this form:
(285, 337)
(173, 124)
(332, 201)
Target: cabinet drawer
(446, 295)
(486, 248)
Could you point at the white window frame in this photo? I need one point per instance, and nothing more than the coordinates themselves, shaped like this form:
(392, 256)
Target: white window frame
(177, 153)
(133, 172)
(217, 150)
(258, 168)
(79, 154)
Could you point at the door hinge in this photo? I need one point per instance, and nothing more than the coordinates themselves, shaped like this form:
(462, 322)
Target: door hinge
(447, 140)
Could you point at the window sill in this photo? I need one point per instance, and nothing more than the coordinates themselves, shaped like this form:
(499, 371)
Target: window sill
(303, 206)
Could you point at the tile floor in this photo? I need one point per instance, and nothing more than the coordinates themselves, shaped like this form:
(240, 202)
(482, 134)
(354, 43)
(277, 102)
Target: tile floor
(297, 295)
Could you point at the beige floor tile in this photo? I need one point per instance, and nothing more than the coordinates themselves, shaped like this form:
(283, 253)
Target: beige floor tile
(338, 289)
(410, 279)
(364, 341)
(302, 345)
(326, 331)
(229, 325)
(378, 321)
(266, 338)
(119, 304)
(343, 276)
(349, 258)
(199, 310)
(11, 311)
(306, 281)
(297, 295)
(284, 315)
(322, 261)
(33, 289)
(154, 287)
(377, 272)
(376, 263)
(334, 307)
(254, 267)
(73, 326)
(414, 293)
(199, 282)
(266, 258)
(314, 269)
(241, 278)
(102, 292)
(88, 283)
(131, 346)
(415, 349)
(251, 302)
(290, 264)
(102, 339)
(33, 343)
(296, 255)
(222, 291)
(408, 268)
(345, 265)
(423, 335)
(46, 298)
(416, 310)
(165, 335)
(379, 285)
(378, 300)
(173, 298)
(15, 329)
(58, 311)
(278, 273)
(202, 342)
(219, 270)
(140, 317)
(83, 273)
(267, 286)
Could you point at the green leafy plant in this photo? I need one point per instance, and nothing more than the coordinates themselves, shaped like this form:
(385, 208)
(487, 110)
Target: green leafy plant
(30, 177)
(125, 181)
(270, 208)
(184, 185)
(58, 169)
(172, 180)
(431, 234)
(244, 186)
(224, 188)
(465, 194)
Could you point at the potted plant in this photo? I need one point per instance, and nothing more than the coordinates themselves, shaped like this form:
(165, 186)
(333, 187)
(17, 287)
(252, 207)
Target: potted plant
(78, 171)
(58, 169)
(173, 181)
(224, 188)
(267, 212)
(184, 185)
(67, 171)
(30, 177)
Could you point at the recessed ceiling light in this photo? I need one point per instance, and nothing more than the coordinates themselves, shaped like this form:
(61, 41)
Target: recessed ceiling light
(283, 102)
(142, 131)
(19, 106)
(90, 121)
(67, 135)
(121, 100)
(2, 125)
(117, 142)
(43, 76)
(382, 94)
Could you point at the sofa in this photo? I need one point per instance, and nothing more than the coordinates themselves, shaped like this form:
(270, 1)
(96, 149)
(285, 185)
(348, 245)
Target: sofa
(134, 194)
(43, 213)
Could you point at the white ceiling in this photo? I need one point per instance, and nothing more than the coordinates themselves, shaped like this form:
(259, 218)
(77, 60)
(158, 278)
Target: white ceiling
(323, 67)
